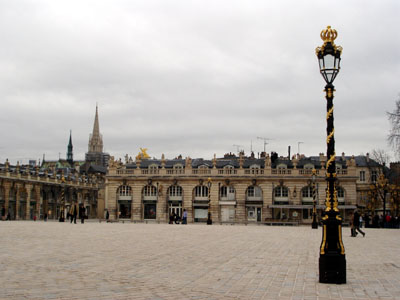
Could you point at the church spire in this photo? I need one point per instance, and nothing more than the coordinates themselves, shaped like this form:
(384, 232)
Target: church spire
(70, 156)
(95, 139)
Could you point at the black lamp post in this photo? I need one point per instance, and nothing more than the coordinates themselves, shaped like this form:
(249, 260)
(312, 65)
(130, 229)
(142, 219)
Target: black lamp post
(332, 260)
(314, 224)
(62, 217)
(209, 220)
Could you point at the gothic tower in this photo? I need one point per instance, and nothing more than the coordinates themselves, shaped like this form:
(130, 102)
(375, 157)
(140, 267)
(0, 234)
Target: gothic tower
(70, 155)
(95, 139)
(95, 154)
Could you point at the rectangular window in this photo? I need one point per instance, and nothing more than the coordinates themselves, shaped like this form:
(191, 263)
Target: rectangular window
(250, 191)
(223, 191)
(374, 176)
(362, 175)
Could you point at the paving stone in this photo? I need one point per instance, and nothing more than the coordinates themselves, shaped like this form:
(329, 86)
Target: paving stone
(51, 260)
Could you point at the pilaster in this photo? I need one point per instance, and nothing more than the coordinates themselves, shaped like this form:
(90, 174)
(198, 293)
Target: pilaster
(18, 188)
(162, 202)
(137, 202)
(28, 189)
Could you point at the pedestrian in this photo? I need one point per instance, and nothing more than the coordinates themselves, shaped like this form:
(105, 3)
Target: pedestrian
(3, 213)
(171, 218)
(8, 216)
(74, 213)
(184, 217)
(107, 216)
(71, 213)
(375, 221)
(82, 213)
(387, 221)
(361, 221)
(45, 217)
(176, 218)
(353, 232)
(356, 223)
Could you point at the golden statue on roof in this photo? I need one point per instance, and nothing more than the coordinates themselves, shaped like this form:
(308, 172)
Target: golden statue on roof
(142, 154)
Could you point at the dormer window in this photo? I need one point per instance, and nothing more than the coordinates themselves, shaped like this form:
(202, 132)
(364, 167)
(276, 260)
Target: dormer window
(178, 168)
(153, 169)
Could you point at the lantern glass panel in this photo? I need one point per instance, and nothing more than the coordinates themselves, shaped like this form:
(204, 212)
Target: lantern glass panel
(329, 61)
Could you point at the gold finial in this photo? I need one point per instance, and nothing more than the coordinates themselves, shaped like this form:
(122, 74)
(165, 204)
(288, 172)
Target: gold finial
(328, 35)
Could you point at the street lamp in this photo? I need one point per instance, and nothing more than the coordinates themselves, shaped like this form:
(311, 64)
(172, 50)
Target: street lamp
(209, 220)
(332, 260)
(314, 224)
(62, 217)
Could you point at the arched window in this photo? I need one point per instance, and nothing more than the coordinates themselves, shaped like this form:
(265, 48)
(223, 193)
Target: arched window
(125, 190)
(340, 194)
(254, 193)
(201, 192)
(149, 191)
(227, 193)
(175, 191)
(281, 194)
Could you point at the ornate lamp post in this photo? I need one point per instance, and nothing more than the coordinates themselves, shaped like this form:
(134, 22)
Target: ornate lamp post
(332, 260)
(62, 217)
(314, 224)
(209, 184)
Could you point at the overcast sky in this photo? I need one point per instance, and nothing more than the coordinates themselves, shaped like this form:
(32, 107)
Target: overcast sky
(193, 77)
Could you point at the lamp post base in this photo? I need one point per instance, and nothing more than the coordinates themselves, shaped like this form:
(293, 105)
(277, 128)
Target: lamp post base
(314, 224)
(332, 268)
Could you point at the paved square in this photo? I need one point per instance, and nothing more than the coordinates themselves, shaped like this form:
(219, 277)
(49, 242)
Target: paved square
(51, 260)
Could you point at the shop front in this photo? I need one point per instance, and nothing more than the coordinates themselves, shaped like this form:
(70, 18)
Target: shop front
(124, 209)
(200, 211)
(149, 210)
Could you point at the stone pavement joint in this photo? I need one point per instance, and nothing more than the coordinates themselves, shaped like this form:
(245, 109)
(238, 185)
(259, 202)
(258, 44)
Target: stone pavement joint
(51, 260)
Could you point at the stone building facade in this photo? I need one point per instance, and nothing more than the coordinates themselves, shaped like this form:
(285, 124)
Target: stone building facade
(243, 189)
(26, 193)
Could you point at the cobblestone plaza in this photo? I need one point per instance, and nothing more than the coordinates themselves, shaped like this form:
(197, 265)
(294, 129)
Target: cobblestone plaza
(51, 260)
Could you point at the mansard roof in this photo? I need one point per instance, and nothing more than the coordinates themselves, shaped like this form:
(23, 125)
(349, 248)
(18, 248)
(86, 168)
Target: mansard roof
(361, 161)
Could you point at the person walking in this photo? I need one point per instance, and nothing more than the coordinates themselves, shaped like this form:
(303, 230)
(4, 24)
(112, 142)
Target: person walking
(107, 216)
(356, 223)
(71, 213)
(184, 217)
(3, 213)
(82, 213)
(74, 213)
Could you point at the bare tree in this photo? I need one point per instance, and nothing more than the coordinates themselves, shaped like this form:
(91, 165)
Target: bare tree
(394, 134)
(380, 156)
